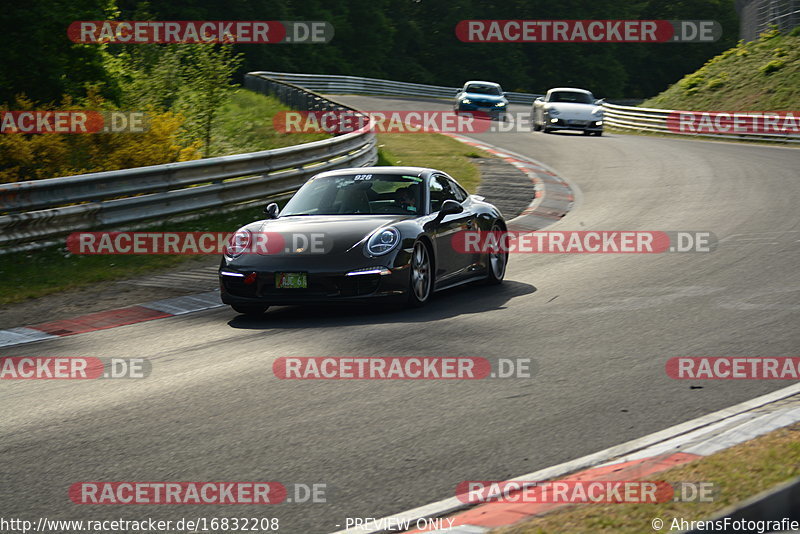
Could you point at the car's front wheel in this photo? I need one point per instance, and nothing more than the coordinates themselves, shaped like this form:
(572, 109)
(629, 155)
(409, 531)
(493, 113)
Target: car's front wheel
(421, 278)
(253, 310)
(498, 258)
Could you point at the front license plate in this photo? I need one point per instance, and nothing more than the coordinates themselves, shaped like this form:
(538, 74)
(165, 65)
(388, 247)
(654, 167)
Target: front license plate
(291, 280)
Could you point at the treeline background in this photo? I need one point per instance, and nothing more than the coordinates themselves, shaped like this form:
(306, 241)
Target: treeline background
(408, 40)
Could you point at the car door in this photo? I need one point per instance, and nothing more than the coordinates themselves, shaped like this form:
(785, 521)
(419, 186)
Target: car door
(451, 265)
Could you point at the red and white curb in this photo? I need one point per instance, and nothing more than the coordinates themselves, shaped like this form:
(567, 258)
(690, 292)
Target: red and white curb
(635, 459)
(111, 318)
(554, 198)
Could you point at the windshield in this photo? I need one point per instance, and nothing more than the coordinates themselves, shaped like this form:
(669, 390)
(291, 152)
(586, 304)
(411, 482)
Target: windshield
(483, 89)
(571, 96)
(357, 194)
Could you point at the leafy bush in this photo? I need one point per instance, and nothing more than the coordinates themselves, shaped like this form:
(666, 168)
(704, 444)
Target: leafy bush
(38, 156)
(191, 80)
(716, 83)
(772, 66)
(693, 80)
(180, 87)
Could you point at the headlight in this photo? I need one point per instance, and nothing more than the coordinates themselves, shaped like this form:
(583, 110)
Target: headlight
(552, 111)
(466, 101)
(383, 241)
(500, 104)
(239, 242)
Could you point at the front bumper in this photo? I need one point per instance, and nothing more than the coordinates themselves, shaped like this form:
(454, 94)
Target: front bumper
(489, 109)
(562, 123)
(323, 286)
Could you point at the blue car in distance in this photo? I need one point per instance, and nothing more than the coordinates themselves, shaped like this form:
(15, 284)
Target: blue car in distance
(484, 97)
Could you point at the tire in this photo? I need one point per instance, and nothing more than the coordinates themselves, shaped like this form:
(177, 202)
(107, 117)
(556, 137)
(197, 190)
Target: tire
(587, 132)
(420, 281)
(536, 127)
(252, 310)
(546, 130)
(598, 134)
(497, 262)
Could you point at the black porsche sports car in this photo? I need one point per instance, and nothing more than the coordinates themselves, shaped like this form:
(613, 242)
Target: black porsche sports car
(359, 234)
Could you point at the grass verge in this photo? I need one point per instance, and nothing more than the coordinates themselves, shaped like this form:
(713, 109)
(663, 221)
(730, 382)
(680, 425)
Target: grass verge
(762, 75)
(245, 124)
(737, 474)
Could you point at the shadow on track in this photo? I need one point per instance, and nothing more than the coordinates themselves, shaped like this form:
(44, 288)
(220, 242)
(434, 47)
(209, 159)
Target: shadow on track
(449, 303)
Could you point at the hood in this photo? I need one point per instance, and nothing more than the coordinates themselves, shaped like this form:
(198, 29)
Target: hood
(339, 233)
(484, 98)
(572, 110)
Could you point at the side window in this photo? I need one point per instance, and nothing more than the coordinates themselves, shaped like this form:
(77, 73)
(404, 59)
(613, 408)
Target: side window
(459, 195)
(439, 192)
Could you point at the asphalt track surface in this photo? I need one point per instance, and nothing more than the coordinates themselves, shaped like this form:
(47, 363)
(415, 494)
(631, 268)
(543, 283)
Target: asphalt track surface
(599, 327)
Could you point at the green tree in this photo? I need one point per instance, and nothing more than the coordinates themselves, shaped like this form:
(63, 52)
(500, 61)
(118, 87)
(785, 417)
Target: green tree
(38, 59)
(206, 83)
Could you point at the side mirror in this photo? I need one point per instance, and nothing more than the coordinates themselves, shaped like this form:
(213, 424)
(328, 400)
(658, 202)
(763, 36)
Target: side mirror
(458, 92)
(600, 101)
(539, 99)
(272, 210)
(449, 207)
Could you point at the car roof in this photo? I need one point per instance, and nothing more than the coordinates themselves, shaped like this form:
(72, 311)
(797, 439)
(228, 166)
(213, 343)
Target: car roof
(573, 89)
(412, 171)
(481, 82)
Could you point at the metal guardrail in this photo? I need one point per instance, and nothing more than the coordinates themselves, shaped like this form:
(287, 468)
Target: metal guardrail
(338, 85)
(31, 212)
(40, 210)
(655, 121)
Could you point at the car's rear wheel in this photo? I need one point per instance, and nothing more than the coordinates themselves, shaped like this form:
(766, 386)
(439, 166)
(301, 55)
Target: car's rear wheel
(498, 259)
(253, 310)
(536, 126)
(598, 134)
(421, 278)
(587, 132)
